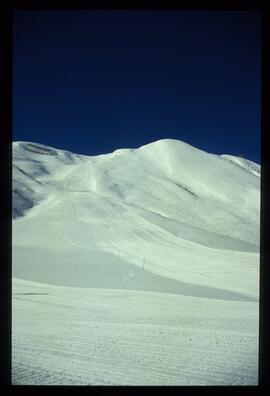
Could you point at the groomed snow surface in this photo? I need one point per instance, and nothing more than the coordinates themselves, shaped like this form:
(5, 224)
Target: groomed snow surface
(139, 267)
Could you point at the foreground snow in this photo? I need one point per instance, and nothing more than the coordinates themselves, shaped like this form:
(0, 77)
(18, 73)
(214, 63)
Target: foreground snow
(81, 336)
(138, 267)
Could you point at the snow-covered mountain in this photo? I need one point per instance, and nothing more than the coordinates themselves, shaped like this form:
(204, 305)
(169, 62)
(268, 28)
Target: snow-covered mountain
(160, 203)
(166, 217)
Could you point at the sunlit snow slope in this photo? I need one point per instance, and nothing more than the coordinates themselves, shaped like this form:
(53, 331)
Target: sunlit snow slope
(167, 207)
(139, 267)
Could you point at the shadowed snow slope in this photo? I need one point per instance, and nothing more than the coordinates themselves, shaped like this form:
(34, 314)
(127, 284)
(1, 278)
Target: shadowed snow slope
(177, 211)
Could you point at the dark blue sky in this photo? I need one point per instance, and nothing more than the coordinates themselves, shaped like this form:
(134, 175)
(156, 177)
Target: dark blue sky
(94, 81)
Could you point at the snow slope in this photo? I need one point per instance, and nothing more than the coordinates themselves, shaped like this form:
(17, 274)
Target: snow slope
(124, 337)
(166, 219)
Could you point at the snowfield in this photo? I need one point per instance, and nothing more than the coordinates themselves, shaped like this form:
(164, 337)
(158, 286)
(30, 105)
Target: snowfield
(82, 336)
(139, 267)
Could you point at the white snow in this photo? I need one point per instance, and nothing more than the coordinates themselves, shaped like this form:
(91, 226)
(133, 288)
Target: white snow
(76, 336)
(149, 260)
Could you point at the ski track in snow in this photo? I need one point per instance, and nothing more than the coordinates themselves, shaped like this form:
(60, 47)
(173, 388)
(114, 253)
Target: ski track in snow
(139, 267)
(113, 337)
